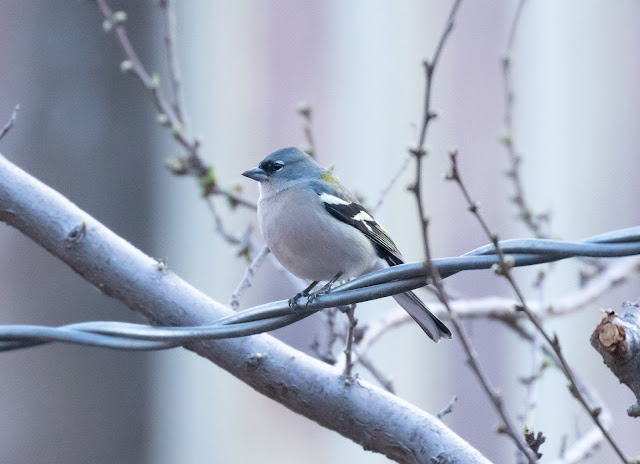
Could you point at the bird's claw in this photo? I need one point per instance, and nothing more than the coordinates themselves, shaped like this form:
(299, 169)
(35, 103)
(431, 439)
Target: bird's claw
(293, 301)
(310, 296)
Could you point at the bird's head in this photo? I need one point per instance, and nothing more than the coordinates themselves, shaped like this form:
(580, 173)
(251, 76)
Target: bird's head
(285, 165)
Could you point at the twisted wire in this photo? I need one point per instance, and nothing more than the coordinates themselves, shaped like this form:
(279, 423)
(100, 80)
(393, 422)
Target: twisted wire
(270, 316)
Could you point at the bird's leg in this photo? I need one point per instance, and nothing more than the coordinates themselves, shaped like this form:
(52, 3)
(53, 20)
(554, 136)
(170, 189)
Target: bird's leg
(293, 301)
(324, 289)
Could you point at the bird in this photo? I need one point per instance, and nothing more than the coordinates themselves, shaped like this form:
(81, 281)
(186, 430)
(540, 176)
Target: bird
(320, 232)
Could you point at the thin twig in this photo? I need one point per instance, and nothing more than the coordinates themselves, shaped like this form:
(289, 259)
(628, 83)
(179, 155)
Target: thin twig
(495, 396)
(533, 221)
(448, 409)
(150, 83)
(384, 380)
(492, 392)
(7, 127)
(168, 6)
(332, 336)
(220, 228)
(355, 356)
(233, 198)
(167, 116)
(348, 366)
(247, 279)
(419, 152)
(503, 268)
(332, 333)
(385, 191)
(587, 444)
(538, 367)
(305, 112)
(174, 116)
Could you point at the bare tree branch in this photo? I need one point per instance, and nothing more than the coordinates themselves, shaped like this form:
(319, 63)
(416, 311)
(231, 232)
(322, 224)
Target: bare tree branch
(503, 268)
(168, 116)
(366, 414)
(617, 339)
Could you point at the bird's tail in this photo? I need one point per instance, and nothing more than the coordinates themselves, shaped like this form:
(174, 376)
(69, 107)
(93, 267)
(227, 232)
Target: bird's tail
(431, 325)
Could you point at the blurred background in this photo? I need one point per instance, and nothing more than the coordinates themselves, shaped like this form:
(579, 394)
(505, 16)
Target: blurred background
(90, 132)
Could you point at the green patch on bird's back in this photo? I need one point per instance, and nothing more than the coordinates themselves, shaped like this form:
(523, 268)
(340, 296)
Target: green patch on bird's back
(329, 177)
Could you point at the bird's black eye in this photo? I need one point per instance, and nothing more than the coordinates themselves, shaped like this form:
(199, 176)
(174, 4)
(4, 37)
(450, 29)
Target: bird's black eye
(277, 165)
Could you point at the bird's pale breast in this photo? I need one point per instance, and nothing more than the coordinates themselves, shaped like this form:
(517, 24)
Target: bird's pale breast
(308, 241)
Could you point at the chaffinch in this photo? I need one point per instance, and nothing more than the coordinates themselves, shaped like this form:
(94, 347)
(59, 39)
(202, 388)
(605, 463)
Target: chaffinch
(318, 230)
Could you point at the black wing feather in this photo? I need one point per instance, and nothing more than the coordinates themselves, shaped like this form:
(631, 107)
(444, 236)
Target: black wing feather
(357, 216)
(344, 207)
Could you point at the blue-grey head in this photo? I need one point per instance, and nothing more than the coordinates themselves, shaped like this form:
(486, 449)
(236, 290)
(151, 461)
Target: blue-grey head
(285, 165)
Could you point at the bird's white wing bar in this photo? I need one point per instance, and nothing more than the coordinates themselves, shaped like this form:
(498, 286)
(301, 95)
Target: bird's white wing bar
(333, 200)
(354, 214)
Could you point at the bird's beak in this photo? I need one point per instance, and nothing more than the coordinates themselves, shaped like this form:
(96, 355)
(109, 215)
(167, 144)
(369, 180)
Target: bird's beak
(256, 174)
